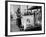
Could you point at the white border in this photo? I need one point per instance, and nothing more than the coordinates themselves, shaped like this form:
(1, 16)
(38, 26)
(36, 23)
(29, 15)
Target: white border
(30, 32)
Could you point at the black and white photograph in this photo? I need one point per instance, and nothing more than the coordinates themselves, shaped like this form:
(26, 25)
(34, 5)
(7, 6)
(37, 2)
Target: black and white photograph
(25, 18)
